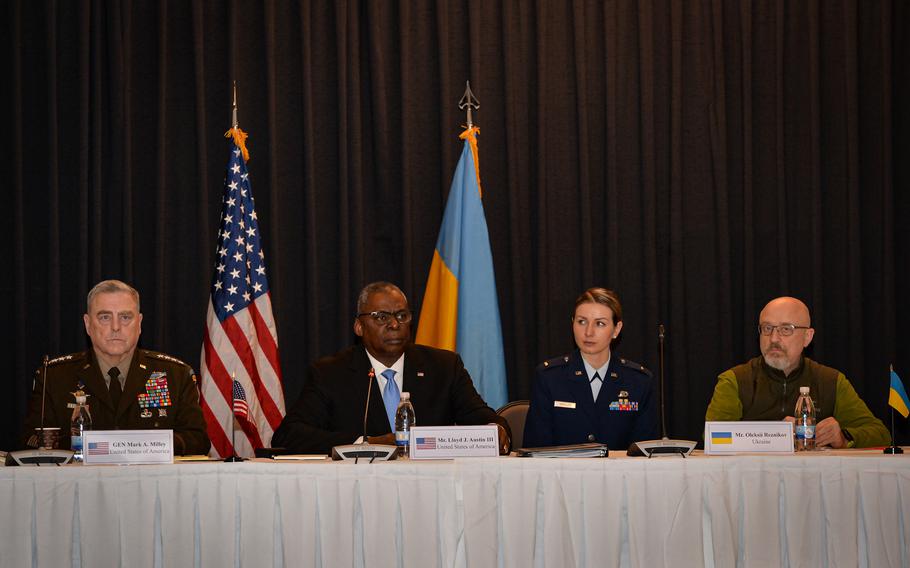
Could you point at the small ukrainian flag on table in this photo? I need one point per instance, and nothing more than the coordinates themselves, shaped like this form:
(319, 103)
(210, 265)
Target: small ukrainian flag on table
(721, 437)
(897, 398)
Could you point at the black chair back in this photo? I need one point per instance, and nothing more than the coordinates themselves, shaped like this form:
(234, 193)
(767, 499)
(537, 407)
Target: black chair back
(515, 414)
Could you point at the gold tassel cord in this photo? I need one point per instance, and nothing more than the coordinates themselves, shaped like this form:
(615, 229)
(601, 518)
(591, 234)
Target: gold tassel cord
(470, 134)
(239, 137)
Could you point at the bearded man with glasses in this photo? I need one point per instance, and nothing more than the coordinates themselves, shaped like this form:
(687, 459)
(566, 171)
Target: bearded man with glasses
(330, 410)
(766, 387)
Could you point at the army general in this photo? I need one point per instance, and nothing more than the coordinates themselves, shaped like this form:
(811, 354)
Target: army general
(127, 388)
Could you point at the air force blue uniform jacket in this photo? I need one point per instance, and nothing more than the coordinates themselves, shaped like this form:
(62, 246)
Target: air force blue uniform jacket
(563, 410)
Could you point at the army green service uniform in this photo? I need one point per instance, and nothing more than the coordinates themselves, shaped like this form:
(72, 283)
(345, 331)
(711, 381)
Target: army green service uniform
(160, 392)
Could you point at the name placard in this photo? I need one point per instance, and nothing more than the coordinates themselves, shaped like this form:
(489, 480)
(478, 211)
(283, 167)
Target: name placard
(741, 437)
(124, 447)
(447, 442)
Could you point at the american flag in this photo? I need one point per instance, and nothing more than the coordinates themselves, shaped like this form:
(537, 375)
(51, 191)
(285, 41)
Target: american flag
(241, 408)
(98, 449)
(428, 443)
(240, 337)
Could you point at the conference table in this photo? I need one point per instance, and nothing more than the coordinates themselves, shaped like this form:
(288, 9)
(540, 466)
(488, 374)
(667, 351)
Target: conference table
(826, 508)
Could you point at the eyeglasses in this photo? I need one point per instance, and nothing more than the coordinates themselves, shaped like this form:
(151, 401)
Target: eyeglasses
(385, 318)
(784, 329)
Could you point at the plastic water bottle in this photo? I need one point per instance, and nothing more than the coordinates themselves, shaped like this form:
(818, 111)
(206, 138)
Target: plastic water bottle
(404, 420)
(805, 421)
(82, 421)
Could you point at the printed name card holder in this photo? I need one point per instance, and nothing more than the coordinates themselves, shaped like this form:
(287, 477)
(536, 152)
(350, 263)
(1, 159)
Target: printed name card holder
(748, 437)
(447, 442)
(126, 447)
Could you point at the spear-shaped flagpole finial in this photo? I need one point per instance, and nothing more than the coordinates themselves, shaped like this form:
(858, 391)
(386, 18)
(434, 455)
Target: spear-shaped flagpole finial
(239, 136)
(468, 102)
(234, 122)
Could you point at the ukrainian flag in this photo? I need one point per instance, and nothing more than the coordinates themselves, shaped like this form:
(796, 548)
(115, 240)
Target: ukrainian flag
(460, 310)
(897, 399)
(721, 437)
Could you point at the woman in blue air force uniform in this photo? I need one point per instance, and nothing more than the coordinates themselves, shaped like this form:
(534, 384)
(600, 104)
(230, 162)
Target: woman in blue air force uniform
(592, 394)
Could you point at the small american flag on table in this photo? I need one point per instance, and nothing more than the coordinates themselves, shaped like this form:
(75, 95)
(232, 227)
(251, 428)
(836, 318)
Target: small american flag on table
(98, 449)
(241, 408)
(428, 443)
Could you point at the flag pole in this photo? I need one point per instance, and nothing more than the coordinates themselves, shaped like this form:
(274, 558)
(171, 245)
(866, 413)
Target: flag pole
(893, 448)
(239, 136)
(234, 122)
(235, 126)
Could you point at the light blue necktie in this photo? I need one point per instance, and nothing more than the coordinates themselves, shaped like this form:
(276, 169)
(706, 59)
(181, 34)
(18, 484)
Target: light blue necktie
(391, 396)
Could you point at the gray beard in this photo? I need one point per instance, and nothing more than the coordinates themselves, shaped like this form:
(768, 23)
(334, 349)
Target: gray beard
(776, 363)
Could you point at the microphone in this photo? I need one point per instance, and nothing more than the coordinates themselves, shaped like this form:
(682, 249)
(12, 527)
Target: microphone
(364, 449)
(664, 446)
(366, 409)
(43, 394)
(41, 455)
(660, 370)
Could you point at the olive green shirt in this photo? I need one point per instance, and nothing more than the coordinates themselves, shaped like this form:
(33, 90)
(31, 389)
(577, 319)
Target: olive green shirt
(771, 395)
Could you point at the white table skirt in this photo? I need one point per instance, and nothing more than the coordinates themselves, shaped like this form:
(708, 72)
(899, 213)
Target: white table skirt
(821, 509)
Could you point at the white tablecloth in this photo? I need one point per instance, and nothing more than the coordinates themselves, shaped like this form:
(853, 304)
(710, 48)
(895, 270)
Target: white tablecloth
(821, 509)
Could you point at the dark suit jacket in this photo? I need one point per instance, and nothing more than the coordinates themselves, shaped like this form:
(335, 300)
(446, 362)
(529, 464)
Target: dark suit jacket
(330, 409)
(64, 374)
(614, 420)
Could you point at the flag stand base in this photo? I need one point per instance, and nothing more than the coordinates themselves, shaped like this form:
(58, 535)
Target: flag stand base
(240, 459)
(893, 450)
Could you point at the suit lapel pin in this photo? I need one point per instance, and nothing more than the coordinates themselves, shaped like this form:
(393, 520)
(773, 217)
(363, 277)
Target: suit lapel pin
(419, 373)
(577, 373)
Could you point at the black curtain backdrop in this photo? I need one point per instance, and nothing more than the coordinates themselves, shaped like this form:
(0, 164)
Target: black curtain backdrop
(699, 157)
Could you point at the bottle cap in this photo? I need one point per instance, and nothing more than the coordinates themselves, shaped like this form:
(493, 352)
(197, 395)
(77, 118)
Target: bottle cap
(405, 396)
(803, 390)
